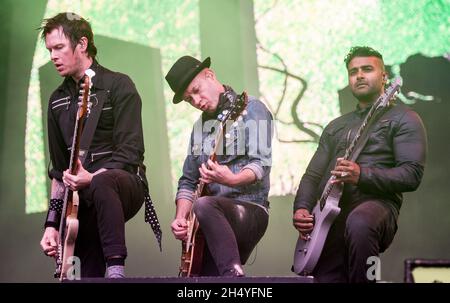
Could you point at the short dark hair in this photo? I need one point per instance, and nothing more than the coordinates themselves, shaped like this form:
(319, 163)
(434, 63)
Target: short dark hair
(361, 51)
(74, 27)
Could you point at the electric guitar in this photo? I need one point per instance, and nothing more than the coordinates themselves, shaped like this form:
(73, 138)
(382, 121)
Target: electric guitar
(193, 247)
(307, 252)
(68, 227)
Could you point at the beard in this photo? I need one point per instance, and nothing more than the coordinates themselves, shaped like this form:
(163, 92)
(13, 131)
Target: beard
(367, 94)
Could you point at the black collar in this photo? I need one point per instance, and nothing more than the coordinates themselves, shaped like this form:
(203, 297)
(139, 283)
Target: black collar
(225, 100)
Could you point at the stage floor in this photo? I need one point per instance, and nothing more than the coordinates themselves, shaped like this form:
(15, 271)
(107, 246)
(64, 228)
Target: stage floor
(183, 280)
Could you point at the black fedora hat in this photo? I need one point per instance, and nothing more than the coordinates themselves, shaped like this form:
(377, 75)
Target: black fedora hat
(182, 73)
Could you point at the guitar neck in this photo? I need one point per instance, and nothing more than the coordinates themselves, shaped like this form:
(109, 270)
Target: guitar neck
(351, 148)
(212, 157)
(349, 152)
(74, 152)
(231, 114)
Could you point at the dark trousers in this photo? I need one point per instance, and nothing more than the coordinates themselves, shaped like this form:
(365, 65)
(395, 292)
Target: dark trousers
(359, 232)
(231, 229)
(112, 198)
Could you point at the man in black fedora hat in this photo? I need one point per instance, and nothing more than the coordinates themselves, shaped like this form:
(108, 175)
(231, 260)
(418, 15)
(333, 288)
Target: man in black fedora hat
(233, 215)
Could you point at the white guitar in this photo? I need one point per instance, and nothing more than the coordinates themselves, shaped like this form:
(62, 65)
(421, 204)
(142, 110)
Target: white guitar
(68, 227)
(307, 252)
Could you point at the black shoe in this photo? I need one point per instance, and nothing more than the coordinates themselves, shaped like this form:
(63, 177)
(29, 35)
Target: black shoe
(233, 273)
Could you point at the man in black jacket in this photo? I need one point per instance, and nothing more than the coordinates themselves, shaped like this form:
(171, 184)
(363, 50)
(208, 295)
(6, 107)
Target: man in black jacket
(391, 162)
(111, 181)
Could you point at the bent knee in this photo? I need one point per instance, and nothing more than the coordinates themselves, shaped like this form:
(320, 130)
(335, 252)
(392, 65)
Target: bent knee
(101, 180)
(202, 204)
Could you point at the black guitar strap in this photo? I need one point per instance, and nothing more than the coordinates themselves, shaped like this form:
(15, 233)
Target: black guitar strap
(365, 135)
(91, 123)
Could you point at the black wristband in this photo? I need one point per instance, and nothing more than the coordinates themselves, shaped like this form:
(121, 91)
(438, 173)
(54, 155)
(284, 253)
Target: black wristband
(54, 213)
(56, 205)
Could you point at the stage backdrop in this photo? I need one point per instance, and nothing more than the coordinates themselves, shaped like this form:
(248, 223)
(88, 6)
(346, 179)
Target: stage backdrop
(289, 53)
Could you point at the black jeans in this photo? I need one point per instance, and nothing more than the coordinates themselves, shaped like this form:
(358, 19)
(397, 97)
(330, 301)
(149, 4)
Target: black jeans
(112, 198)
(231, 229)
(358, 233)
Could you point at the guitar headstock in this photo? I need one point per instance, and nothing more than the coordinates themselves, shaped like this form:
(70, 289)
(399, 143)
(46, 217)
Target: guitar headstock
(235, 110)
(390, 93)
(85, 104)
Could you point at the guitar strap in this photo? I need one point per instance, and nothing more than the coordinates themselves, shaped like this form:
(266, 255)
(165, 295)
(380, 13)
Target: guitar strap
(365, 135)
(91, 123)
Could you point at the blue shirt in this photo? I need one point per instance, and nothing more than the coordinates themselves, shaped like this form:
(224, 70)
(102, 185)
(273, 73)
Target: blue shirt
(246, 145)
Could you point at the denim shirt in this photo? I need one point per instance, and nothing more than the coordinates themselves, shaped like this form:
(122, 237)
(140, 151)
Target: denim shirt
(248, 145)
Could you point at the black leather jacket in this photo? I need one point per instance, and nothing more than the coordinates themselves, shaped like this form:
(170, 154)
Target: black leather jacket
(391, 162)
(118, 141)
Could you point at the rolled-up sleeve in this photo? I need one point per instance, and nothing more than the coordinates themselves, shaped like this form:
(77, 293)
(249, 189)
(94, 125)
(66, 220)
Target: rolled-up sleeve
(187, 183)
(258, 135)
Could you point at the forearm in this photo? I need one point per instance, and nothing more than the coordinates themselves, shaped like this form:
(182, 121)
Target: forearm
(187, 184)
(307, 192)
(56, 204)
(244, 177)
(57, 189)
(404, 178)
(183, 208)
(308, 188)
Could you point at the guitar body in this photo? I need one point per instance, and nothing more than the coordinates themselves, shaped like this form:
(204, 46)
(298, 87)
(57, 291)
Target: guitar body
(192, 254)
(307, 252)
(71, 236)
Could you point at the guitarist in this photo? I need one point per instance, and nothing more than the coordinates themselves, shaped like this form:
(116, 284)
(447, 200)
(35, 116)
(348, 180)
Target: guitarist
(392, 162)
(110, 186)
(233, 215)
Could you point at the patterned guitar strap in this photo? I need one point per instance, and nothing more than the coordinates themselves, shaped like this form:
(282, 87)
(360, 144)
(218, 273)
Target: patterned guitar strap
(151, 218)
(150, 214)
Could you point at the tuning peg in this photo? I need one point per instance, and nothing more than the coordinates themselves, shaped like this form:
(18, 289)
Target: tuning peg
(227, 135)
(89, 106)
(235, 124)
(240, 118)
(225, 112)
(244, 112)
(219, 117)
